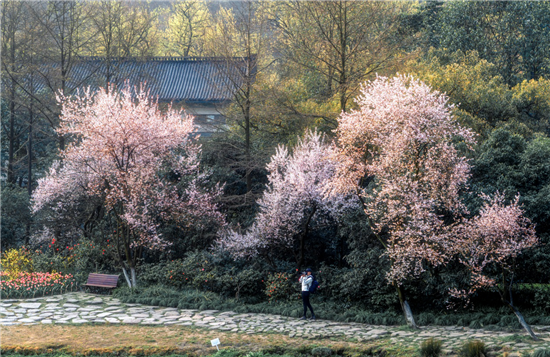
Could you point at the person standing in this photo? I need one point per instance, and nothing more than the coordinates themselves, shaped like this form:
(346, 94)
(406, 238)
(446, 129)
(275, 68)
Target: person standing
(306, 280)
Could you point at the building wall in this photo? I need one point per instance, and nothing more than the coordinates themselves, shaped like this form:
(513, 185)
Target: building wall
(208, 118)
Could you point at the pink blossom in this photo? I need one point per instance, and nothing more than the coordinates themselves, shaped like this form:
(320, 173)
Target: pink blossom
(122, 149)
(400, 142)
(493, 238)
(294, 195)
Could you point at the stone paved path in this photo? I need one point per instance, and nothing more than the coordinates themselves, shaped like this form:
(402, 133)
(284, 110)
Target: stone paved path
(80, 308)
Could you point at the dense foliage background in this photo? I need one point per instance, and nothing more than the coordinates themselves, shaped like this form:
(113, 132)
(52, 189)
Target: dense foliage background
(491, 58)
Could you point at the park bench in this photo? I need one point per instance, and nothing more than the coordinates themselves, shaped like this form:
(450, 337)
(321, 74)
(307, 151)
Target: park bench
(102, 281)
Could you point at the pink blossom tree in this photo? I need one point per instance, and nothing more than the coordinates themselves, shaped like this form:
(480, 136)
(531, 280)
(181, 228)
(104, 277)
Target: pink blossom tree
(292, 201)
(396, 153)
(140, 163)
(489, 242)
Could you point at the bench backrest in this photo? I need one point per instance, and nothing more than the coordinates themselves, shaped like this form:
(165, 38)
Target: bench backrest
(102, 279)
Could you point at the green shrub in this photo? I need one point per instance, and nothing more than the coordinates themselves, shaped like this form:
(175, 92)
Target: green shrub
(426, 318)
(509, 321)
(15, 214)
(279, 287)
(226, 353)
(540, 300)
(473, 349)
(79, 259)
(541, 353)
(431, 348)
(475, 324)
(205, 272)
(490, 319)
(533, 295)
(321, 351)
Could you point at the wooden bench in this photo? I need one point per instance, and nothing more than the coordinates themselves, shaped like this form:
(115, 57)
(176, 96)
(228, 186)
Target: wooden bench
(102, 281)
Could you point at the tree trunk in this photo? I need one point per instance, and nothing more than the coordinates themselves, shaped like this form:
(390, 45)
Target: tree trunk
(128, 281)
(129, 253)
(522, 321)
(29, 153)
(507, 289)
(305, 231)
(11, 176)
(11, 151)
(407, 312)
(343, 56)
(134, 278)
(29, 170)
(247, 123)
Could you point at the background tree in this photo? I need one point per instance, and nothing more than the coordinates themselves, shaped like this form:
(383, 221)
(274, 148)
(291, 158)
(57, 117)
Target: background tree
(512, 35)
(241, 40)
(188, 28)
(12, 47)
(140, 165)
(344, 41)
(21, 124)
(64, 25)
(483, 100)
(124, 30)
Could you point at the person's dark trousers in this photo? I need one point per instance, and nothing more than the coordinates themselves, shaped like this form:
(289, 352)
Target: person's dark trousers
(305, 299)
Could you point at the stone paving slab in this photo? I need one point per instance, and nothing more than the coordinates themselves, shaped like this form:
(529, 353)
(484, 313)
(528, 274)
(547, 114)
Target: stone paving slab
(81, 308)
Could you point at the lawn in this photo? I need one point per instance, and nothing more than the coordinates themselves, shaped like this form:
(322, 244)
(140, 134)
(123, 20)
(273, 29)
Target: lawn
(165, 340)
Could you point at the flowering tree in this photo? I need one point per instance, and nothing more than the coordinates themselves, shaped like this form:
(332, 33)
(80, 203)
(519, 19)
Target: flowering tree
(292, 200)
(489, 242)
(140, 163)
(396, 154)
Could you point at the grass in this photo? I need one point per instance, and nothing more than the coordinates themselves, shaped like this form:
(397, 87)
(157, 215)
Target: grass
(517, 338)
(221, 353)
(431, 348)
(166, 340)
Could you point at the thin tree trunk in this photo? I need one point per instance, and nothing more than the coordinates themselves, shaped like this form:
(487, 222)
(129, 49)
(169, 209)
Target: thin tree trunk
(407, 312)
(247, 124)
(507, 289)
(11, 176)
(305, 231)
(522, 321)
(343, 54)
(11, 150)
(29, 153)
(29, 170)
(134, 278)
(128, 281)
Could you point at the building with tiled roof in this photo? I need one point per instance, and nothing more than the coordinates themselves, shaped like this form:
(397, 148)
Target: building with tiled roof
(203, 86)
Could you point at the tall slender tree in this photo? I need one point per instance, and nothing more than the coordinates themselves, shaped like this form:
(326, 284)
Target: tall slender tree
(188, 28)
(345, 41)
(241, 39)
(13, 45)
(64, 25)
(124, 31)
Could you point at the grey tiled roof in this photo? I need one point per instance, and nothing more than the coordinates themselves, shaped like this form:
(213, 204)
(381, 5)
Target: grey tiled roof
(189, 79)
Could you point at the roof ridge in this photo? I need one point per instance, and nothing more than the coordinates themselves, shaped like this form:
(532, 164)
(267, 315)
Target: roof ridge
(164, 58)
